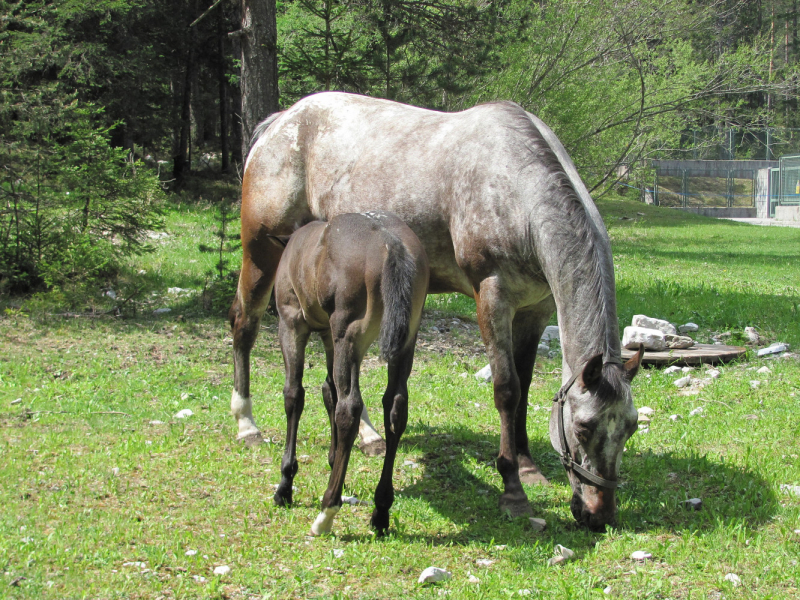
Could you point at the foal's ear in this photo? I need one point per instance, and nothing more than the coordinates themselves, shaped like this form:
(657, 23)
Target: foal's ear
(632, 366)
(592, 371)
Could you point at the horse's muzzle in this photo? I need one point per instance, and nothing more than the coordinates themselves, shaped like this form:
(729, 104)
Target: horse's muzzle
(595, 515)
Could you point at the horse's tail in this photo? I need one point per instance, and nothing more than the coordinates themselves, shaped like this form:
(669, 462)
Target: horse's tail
(397, 291)
(262, 127)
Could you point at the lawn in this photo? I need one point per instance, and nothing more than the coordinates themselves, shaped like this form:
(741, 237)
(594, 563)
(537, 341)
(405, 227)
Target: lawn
(106, 494)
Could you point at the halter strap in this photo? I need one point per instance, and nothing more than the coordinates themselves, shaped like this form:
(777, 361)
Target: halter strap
(565, 454)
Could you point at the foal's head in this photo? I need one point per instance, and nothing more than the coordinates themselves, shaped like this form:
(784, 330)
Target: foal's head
(596, 418)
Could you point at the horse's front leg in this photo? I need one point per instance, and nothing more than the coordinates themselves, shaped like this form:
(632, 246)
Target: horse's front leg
(346, 365)
(395, 418)
(495, 316)
(527, 328)
(294, 336)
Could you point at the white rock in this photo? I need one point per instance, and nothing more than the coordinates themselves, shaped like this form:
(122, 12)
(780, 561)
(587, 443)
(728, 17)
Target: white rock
(199, 578)
(713, 373)
(752, 335)
(696, 411)
(135, 563)
(644, 429)
(607, 590)
(565, 552)
(156, 422)
(677, 342)
(754, 383)
(643, 418)
(142, 272)
(641, 555)
(222, 570)
(537, 524)
(653, 339)
(473, 579)
(651, 323)
(485, 374)
(17, 401)
(161, 311)
(463, 375)
(190, 553)
(434, 575)
(410, 463)
(354, 501)
(556, 560)
(551, 332)
(646, 411)
(484, 562)
(115, 471)
(773, 349)
(683, 381)
(177, 290)
(734, 579)
(524, 592)
(693, 503)
(687, 369)
(543, 350)
(675, 417)
(687, 327)
(338, 552)
(794, 490)
(764, 369)
(182, 414)
(672, 369)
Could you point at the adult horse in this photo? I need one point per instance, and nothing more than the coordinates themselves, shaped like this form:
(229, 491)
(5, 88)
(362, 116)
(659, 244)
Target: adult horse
(504, 218)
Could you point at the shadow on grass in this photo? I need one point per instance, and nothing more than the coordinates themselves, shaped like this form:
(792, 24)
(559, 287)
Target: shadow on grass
(651, 499)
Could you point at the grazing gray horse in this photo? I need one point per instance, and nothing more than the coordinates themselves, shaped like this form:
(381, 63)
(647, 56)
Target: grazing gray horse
(504, 218)
(352, 279)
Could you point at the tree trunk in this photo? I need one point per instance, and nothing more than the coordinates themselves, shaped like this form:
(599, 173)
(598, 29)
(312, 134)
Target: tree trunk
(259, 79)
(223, 94)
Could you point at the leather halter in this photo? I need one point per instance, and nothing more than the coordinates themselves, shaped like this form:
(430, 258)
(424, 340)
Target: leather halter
(566, 455)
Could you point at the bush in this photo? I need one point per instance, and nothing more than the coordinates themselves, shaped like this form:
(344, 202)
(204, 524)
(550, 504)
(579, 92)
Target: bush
(72, 205)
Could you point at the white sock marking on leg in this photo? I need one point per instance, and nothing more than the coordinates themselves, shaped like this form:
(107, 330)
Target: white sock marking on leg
(324, 521)
(242, 409)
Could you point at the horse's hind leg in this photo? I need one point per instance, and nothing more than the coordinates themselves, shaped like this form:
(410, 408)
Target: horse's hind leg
(527, 330)
(294, 337)
(259, 263)
(346, 365)
(329, 392)
(494, 318)
(395, 418)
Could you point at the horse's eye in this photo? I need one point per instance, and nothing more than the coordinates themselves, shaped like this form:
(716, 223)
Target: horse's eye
(582, 433)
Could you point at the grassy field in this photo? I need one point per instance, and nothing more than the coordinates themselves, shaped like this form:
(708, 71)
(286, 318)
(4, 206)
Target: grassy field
(105, 494)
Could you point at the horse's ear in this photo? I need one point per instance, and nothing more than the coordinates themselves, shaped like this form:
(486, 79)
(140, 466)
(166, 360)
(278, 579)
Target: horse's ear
(592, 371)
(632, 366)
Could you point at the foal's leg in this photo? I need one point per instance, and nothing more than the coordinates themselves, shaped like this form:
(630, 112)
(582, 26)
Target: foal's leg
(395, 418)
(259, 263)
(346, 365)
(494, 318)
(294, 337)
(527, 330)
(329, 392)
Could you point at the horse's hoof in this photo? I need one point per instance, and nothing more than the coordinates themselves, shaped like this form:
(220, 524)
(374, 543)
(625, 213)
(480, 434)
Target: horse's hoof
(281, 500)
(532, 476)
(380, 521)
(373, 448)
(515, 505)
(253, 439)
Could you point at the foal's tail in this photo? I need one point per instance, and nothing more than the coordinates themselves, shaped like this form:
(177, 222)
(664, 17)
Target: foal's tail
(397, 291)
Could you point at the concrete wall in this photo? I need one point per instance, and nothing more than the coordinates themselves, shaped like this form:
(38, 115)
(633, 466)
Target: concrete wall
(736, 212)
(787, 213)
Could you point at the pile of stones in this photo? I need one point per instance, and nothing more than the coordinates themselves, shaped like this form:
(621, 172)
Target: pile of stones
(657, 334)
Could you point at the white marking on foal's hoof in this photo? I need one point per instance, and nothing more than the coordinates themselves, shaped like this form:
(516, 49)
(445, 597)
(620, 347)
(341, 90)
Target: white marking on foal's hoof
(242, 410)
(324, 521)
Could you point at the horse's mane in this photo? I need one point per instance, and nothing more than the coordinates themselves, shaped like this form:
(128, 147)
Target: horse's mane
(580, 239)
(262, 127)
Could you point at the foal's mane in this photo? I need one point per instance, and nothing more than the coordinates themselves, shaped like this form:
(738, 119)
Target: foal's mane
(581, 253)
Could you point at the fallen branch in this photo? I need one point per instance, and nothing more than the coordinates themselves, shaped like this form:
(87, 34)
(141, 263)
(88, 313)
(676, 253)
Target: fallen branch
(72, 412)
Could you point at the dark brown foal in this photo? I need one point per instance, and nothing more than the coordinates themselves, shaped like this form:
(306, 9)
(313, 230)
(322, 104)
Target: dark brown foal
(352, 279)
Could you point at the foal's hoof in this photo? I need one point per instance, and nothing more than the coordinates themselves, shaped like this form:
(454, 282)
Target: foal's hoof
(515, 505)
(253, 439)
(532, 476)
(282, 500)
(380, 521)
(373, 448)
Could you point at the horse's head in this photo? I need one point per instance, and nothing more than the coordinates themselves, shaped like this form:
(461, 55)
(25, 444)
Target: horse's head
(592, 418)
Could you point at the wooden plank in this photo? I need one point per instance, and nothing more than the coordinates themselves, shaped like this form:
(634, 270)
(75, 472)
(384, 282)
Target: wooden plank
(696, 355)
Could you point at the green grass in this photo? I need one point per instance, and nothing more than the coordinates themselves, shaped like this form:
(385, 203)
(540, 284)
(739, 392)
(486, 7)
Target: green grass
(70, 522)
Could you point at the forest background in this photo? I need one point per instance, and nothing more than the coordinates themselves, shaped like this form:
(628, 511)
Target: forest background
(107, 105)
